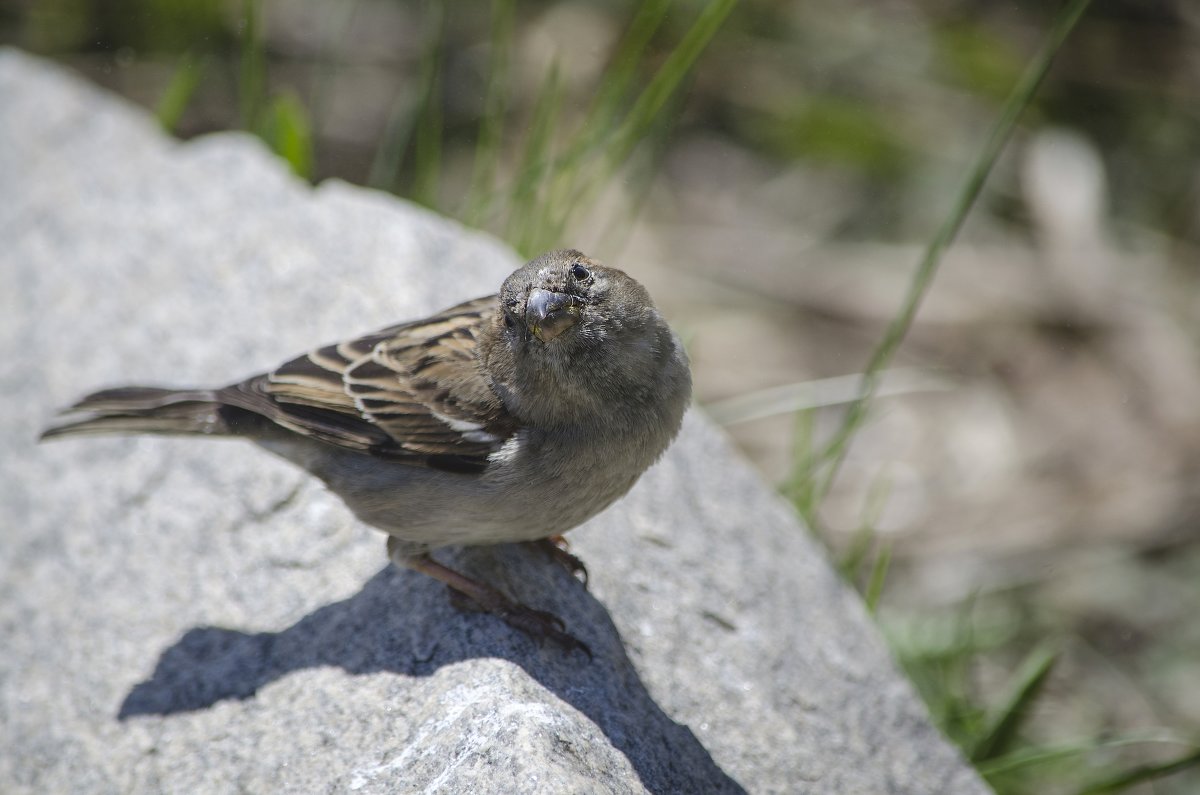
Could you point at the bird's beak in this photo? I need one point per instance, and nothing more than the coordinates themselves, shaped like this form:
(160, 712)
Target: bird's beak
(549, 314)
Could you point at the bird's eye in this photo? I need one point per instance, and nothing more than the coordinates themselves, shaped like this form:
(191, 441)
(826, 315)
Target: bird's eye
(580, 273)
(508, 321)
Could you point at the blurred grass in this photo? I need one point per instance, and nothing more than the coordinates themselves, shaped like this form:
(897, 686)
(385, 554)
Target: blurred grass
(564, 163)
(999, 733)
(940, 654)
(605, 140)
(535, 164)
(830, 461)
(427, 137)
(481, 193)
(252, 80)
(978, 58)
(389, 153)
(281, 120)
(834, 128)
(985, 734)
(286, 128)
(178, 95)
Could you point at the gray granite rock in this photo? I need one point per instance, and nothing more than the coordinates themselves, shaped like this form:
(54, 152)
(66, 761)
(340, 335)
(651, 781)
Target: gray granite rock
(193, 616)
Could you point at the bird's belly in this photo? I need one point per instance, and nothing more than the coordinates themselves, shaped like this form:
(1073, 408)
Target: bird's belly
(493, 513)
(527, 493)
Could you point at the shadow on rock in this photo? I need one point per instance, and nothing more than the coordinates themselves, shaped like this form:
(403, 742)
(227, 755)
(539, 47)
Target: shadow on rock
(402, 622)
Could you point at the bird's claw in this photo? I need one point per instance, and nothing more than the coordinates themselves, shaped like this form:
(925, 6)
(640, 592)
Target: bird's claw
(556, 548)
(540, 625)
(537, 624)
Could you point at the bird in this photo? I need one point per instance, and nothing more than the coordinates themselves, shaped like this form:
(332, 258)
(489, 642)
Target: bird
(508, 418)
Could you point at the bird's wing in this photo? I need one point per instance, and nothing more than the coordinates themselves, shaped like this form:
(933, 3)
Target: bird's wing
(411, 392)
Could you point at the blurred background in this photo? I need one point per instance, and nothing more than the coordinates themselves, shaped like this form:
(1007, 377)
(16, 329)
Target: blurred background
(1021, 506)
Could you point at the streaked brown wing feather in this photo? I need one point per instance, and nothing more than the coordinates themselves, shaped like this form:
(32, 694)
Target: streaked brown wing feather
(410, 391)
(429, 392)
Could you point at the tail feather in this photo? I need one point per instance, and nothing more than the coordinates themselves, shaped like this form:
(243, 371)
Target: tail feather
(137, 409)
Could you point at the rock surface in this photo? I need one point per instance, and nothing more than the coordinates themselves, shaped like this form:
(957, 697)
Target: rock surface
(186, 616)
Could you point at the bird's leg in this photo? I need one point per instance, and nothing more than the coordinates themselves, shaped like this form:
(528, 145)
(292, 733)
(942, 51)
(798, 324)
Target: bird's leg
(535, 623)
(559, 551)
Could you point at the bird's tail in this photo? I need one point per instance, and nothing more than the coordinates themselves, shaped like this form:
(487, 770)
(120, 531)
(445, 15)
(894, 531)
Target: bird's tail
(142, 409)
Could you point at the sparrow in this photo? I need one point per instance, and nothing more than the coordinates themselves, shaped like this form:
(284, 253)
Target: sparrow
(509, 418)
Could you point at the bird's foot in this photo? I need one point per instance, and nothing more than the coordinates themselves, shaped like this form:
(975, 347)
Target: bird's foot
(473, 595)
(540, 625)
(559, 551)
(537, 624)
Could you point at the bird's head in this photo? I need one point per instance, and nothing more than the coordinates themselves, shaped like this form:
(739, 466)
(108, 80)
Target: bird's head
(571, 332)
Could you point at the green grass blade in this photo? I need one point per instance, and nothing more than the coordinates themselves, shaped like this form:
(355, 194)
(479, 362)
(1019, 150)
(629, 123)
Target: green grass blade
(637, 179)
(820, 393)
(1008, 719)
(641, 117)
(878, 577)
(622, 69)
(604, 112)
(851, 561)
(669, 76)
(384, 173)
(864, 538)
(289, 133)
(427, 147)
(799, 484)
(1021, 97)
(1143, 773)
(179, 92)
(1021, 759)
(603, 115)
(491, 125)
(252, 85)
(940, 667)
(525, 223)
